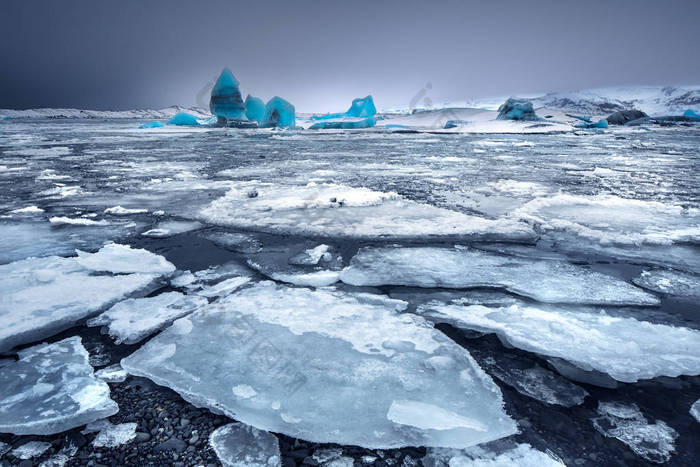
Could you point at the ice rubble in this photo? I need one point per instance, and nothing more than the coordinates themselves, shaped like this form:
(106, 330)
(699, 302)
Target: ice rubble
(132, 320)
(544, 280)
(613, 220)
(654, 442)
(226, 100)
(50, 389)
(669, 282)
(43, 296)
(254, 108)
(624, 348)
(517, 109)
(274, 341)
(240, 445)
(522, 455)
(278, 113)
(341, 211)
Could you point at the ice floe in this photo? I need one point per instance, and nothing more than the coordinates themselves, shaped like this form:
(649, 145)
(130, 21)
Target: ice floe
(50, 389)
(122, 211)
(459, 267)
(341, 211)
(522, 455)
(240, 445)
(654, 442)
(132, 320)
(669, 282)
(170, 228)
(624, 348)
(76, 221)
(393, 380)
(116, 258)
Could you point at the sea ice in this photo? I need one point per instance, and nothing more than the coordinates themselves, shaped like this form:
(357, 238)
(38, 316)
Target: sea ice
(626, 349)
(121, 211)
(670, 282)
(517, 109)
(393, 380)
(226, 100)
(170, 228)
(112, 436)
(132, 320)
(184, 119)
(279, 113)
(254, 108)
(522, 455)
(43, 296)
(344, 124)
(238, 242)
(31, 449)
(332, 210)
(654, 442)
(58, 220)
(459, 267)
(240, 445)
(50, 389)
(224, 287)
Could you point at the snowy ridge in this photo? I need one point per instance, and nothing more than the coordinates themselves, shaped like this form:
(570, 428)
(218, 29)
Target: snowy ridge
(165, 113)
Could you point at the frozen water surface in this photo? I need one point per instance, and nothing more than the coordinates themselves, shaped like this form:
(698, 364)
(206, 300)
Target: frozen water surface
(327, 366)
(239, 445)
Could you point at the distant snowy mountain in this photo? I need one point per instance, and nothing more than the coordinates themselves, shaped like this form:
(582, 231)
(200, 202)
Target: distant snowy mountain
(166, 113)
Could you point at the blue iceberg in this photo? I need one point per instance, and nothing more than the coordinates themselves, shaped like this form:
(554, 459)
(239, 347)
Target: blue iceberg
(7, 118)
(588, 123)
(153, 124)
(254, 108)
(279, 113)
(517, 109)
(184, 119)
(692, 114)
(226, 101)
(361, 107)
(344, 124)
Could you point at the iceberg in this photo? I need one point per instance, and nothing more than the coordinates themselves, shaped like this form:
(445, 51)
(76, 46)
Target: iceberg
(392, 380)
(278, 113)
(254, 108)
(547, 281)
(184, 119)
(522, 455)
(692, 114)
(239, 445)
(624, 348)
(669, 282)
(153, 124)
(50, 389)
(362, 107)
(517, 109)
(43, 296)
(226, 102)
(622, 117)
(654, 442)
(330, 210)
(344, 124)
(132, 320)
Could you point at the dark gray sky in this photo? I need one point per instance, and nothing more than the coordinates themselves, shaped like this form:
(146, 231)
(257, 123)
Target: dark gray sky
(320, 54)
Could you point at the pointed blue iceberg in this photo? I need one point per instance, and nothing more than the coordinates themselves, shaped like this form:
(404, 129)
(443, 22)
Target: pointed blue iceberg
(226, 101)
(279, 113)
(254, 108)
(362, 107)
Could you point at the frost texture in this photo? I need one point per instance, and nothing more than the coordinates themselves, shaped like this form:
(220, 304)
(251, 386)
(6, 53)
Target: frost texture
(279, 113)
(545, 281)
(240, 445)
(393, 380)
(226, 100)
(332, 210)
(626, 349)
(132, 320)
(50, 389)
(654, 442)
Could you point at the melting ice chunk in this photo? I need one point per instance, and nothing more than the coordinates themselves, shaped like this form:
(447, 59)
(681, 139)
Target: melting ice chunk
(31, 449)
(170, 228)
(240, 445)
(132, 320)
(341, 211)
(523, 455)
(50, 389)
(120, 259)
(277, 340)
(545, 281)
(654, 442)
(624, 348)
(695, 410)
(111, 436)
(112, 374)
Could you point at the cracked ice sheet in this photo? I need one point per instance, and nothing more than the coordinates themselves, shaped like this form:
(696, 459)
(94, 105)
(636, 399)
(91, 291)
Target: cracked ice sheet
(262, 354)
(132, 320)
(332, 210)
(50, 389)
(459, 267)
(624, 348)
(240, 445)
(43, 296)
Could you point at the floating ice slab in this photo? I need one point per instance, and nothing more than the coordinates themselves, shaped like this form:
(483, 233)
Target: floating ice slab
(122, 211)
(296, 275)
(626, 349)
(112, 374)
(240, 445)
(342, 211)
(170, 228)
(614, 220)
(132, 320)
(224, 287)
(669, 282)
(545, 281)
(43, 296)
(50, 389)
(392, 380)
(119, 259)
(112, 436)
(312, 256)
(523, 455)
(654, 442)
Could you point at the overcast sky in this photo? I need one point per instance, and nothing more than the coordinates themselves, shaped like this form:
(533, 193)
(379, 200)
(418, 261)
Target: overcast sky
(320, 54)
